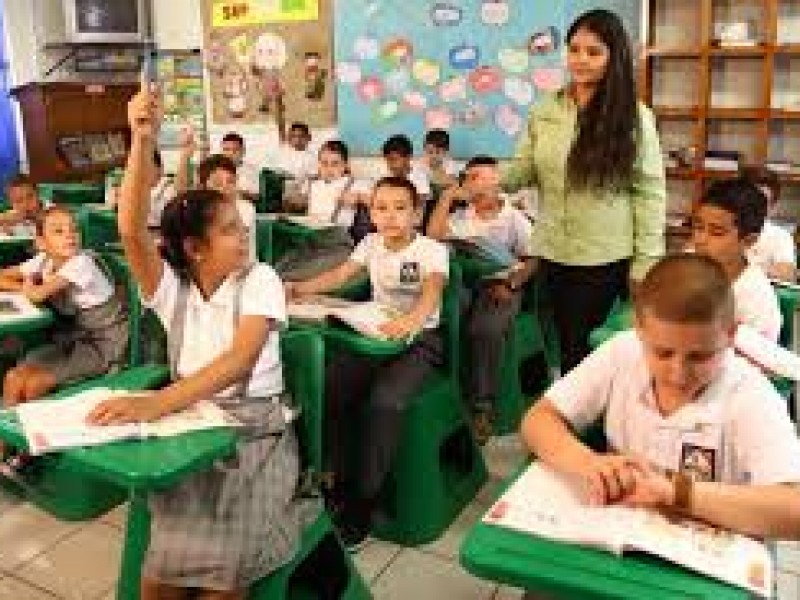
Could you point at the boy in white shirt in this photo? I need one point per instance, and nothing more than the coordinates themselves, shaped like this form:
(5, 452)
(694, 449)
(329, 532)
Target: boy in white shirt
(494, 303)
(670, 392)
(247, 175)
(398, 152)
(774, 250)
(726, 222)
(435, 162)
(294, 155)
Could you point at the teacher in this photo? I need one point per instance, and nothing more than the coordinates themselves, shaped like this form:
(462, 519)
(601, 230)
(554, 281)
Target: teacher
(592, 151)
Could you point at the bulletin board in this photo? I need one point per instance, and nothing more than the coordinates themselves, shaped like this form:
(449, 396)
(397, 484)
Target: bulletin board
(181, 77)
(472, 67)
(256, 50)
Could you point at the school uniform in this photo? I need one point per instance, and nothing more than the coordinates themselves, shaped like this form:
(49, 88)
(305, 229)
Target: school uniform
(227, 527)
(449, 168)
(248, 178)
(756, 304)
(774, 245)
(162, 194)
(737, 431)
(91, 335)
(247, 213)
(489, 322)
(297, 163)
(366, 399)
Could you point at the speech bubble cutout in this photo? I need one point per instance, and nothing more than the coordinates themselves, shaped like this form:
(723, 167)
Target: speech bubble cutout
(446, 14)
(348, 73)
(370, 89)
(473, 114)
(548, 79)
(508, 120)
(426, 71)
(545, 41)
(415, 101)
(366, 48)
(453, 90)
(518, 90)
(485, 80)
(495, 12)
(398, 81)
(464, 57)
(397, 52)
(513, 60)
(438, 118)
(386, 111)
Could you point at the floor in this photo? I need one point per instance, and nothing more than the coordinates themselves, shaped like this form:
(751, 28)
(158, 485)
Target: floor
(44, 559)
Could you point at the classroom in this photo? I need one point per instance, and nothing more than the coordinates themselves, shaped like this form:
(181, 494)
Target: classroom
(430, 300)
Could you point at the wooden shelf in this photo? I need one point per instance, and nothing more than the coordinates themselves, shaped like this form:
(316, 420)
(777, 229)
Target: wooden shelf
(745, 114)
(779, 113)
(684, 173)
(673, 52)
(676, 112)
(791, 49)
(739, 51)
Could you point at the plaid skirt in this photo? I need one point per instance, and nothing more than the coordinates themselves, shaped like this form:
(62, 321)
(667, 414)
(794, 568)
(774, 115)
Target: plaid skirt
(225, 528)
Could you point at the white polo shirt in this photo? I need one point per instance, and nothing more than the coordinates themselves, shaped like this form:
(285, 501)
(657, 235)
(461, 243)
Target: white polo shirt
(323, 197)
(774, 245)
(89, 286)
(756, 303)
(509, 228)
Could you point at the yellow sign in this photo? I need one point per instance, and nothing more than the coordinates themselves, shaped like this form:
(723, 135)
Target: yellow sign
(245, 13)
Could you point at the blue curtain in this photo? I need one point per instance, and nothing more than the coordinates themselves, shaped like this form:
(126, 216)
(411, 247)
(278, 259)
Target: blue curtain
(9, 150)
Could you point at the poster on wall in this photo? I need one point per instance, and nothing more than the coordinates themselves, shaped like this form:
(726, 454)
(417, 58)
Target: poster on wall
(472, 67)
(181, 77)
(256, 51)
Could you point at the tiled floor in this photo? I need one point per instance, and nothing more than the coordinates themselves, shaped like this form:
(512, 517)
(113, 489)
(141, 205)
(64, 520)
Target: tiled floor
(42, 558)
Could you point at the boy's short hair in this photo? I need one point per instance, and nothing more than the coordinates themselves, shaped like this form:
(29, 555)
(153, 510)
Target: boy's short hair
(301, 127)
(400, 183)
(20, 180)
(481, 160)
(686, 288)
(398, 144)
(211, 164)
(743, 200)
(232, 136)
(762, 176)
(438, 138)
(53, 209)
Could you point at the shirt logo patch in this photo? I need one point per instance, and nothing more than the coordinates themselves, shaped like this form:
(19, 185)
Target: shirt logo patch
(698, 462)
(409, 272)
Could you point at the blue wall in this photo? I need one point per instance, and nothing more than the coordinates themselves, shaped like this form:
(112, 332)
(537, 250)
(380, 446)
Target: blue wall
(9, 150)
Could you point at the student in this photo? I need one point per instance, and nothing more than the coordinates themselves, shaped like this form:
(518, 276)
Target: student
(494, 303)
(725, 224)
(218, 172)
(162, 192)
(407, 271)
(25, 207)
(669, 391)
(247, 175)
(217, 531)
(93, 337)
(294, 156)
(332, 197)
(398, 152)
(774, 250)
(436, 162)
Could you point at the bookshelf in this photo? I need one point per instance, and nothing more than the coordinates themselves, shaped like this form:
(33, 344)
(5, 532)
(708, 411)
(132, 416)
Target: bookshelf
(708, 96)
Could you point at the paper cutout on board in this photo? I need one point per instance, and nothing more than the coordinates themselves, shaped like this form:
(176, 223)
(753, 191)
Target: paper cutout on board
(426, 71)
(215, 58)
(386, 111)
(508, 120)
(495, 12)
(240, 46)
(235, 92)
(446, 14)
(453, 90)
(269, 58)
(249, 13)
(397, 52)
(545, 41)
(366, 48)
(485, 80)
(315, 76)
(518, 90)
(348, 73)
(464, 57)
(513, 60)
(548, 80)
(473, 114)
(415, 101)
(438, 118)
(397, 81)
(370, 89)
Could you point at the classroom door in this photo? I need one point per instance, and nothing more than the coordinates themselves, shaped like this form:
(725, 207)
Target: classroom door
(9, 150)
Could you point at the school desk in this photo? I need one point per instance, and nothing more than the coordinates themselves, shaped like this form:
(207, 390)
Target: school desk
(72, 193)
(138, 466)
(42, 319)
(569, 571)
(14, 250)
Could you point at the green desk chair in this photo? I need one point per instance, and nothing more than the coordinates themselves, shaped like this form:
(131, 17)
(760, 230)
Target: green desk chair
(303, 357)
(264, 240)
(439, 467)
(270, 196)
(72, 193)
(98, 227)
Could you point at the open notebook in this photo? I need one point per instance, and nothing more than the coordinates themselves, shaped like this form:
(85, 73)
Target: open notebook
(543, 503)
(53, 425)
(364, 317)
(14, 307)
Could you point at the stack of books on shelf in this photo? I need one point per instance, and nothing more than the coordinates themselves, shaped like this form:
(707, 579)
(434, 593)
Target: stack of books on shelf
(721, 160)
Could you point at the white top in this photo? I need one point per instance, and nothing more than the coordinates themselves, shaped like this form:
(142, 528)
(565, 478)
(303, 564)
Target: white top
(161, 195)
(89, 285)
(774, 245)
(418, 177)
(756, 303)
(323, 197)
(509, 228)
(449, 166)
(737, 431)
(247, 178)
(396, 276)
(209, 327)
(298, 163)
(247, 213)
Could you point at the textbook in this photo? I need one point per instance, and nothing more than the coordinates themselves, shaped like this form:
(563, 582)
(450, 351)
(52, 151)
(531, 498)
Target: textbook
(364, 317)
(484, 249)
(307, 221)
(543, 503)
(53, 425)
(15, 307)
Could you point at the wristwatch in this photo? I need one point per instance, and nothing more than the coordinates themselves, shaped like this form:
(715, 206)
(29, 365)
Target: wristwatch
(682, 485)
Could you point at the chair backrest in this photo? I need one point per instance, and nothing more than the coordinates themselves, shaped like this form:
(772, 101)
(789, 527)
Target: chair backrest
(119, 270)
(72, 193)
(787, 301)
(264, 241)
(303, 358)
(451, 320)
(270, 191)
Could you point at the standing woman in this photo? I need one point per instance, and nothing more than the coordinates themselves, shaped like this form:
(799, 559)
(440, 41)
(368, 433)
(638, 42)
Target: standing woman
(592, 151)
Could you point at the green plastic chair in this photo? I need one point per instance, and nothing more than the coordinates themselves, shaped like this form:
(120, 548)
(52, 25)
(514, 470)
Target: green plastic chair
(270, 196)
(264, 240)
(98, 228)
(303, 358)
(439, 467)
(72, 193)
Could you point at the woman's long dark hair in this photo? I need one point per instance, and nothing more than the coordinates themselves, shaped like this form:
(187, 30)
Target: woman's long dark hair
(605, 148)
